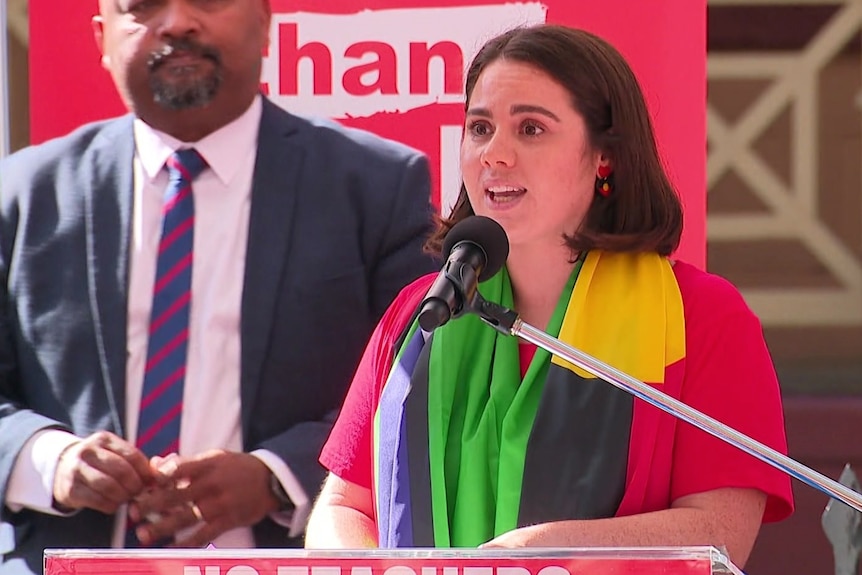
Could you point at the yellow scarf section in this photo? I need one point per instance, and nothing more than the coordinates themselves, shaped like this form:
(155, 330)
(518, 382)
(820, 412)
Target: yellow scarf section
(626, 310)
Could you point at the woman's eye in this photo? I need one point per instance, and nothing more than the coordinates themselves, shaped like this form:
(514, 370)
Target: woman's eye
(479, 129)
(531, 129)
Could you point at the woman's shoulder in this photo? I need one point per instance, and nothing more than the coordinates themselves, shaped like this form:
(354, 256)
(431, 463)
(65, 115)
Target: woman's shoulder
(411, 295)
(402, 308)
(705, 294)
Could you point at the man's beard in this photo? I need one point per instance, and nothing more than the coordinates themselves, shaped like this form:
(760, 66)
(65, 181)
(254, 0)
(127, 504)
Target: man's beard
(184, 92)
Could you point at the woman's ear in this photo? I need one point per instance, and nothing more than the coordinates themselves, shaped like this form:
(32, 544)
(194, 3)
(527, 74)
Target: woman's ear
(605, 162)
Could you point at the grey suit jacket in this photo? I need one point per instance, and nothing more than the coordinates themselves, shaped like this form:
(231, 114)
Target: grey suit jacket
(337, 221)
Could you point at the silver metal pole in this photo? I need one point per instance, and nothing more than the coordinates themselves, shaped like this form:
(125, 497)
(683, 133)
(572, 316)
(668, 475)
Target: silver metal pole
(4, 79)
(688, 414)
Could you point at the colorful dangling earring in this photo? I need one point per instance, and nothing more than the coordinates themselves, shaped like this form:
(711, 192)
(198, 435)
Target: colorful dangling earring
(604, 185)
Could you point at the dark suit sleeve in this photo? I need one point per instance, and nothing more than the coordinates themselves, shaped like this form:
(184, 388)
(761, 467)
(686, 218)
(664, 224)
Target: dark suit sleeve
(7, 359)
(401, 260)
(401, 221)
(7, 224)
(17, 422)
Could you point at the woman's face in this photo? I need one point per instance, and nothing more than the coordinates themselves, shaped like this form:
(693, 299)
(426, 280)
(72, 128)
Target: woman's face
(525, 157)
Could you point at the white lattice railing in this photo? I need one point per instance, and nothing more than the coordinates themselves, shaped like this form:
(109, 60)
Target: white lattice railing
(793, 207)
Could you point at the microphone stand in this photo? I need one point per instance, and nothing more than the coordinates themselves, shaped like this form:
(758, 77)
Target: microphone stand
(508, 322)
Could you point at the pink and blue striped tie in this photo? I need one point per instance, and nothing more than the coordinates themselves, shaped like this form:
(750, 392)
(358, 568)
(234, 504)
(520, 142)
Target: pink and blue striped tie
(165, 370)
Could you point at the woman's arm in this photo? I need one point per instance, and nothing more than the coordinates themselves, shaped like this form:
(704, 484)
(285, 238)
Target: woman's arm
(341, 517)
(727, 517)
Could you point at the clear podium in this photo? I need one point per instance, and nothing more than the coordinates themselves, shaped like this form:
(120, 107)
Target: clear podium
(572, 561)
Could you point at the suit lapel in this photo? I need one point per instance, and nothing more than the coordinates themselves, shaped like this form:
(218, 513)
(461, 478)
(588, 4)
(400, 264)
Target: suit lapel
(277, 173)
(108, 187)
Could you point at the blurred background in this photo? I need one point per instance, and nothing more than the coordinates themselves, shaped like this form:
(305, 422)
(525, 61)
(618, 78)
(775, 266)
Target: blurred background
(784, 185)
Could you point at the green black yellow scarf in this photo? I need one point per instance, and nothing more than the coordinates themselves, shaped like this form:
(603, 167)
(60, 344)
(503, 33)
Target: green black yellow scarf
(465, 450)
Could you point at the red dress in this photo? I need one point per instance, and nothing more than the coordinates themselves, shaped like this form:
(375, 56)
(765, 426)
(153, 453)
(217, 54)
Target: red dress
(727, 373)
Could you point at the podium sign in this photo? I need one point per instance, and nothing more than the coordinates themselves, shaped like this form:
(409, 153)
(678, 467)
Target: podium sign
(593, 561)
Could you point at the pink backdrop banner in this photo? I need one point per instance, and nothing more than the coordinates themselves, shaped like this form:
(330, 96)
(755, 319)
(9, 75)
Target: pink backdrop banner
(396, 67)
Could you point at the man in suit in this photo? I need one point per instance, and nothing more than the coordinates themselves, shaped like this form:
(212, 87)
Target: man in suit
(303, 232)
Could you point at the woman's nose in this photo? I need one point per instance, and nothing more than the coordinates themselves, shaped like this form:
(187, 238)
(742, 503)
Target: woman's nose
(498, 151)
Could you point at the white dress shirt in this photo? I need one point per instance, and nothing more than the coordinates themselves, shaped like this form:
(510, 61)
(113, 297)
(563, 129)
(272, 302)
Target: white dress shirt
(211, 394)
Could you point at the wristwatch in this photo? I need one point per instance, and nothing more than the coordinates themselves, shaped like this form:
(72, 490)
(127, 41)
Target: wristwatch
(277, 490)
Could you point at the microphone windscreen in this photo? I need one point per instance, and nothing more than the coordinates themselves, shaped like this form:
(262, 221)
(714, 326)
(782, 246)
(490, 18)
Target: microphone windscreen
(487, 234)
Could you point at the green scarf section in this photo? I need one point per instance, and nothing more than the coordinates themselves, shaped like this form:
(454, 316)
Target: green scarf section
(480, 415)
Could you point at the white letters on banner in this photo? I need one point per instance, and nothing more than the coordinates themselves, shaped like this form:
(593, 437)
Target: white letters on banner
(348, 65)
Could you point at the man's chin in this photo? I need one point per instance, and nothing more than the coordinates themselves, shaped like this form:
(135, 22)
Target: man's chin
(184, 96)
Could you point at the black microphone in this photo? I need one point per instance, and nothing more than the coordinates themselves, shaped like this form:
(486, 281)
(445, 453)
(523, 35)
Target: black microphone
(475, 249)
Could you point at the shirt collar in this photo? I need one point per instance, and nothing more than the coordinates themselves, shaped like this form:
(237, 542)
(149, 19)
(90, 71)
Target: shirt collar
(219, 148)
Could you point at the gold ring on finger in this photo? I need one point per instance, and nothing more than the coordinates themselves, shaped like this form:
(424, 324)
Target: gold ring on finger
(196, 511)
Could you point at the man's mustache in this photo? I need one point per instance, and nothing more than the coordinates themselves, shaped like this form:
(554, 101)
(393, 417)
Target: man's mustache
(183, 45)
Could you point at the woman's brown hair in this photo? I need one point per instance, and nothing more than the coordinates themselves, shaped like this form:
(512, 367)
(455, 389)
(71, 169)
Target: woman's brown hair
(643, 212)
